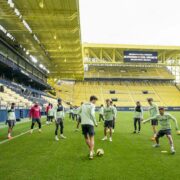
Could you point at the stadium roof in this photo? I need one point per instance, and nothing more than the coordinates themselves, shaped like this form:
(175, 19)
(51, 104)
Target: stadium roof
(114, 52)
(49, 30)
(126, 46)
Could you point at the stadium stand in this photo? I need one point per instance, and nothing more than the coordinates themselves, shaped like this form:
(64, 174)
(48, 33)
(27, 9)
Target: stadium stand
(128, 72)
(9, 96)
(125, 93)
(178, 86)
(49, 100)
(21, 95)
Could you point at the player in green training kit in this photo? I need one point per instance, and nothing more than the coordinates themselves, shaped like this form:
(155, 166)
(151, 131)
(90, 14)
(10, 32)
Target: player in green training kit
(101, 112)
(88, 120)
(11, 119)
(78, 117)
(59, 116)
(153, 110)
(138, 117)
(50, 114)
(164, 121)
(109, 114)
(115, 116)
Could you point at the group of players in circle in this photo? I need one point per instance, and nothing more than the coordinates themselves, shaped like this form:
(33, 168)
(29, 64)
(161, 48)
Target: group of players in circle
(85, 115)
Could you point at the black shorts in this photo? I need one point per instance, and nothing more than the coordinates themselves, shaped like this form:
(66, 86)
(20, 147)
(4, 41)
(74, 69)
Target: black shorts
(88, 130)
(108, 124)
(154, 122)
(137, 119)
(161, 133)
(11, 123)
(59, 121)
(34, 120)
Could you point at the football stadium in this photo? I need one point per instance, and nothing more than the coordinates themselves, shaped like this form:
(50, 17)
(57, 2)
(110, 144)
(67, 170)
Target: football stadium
(89, 90)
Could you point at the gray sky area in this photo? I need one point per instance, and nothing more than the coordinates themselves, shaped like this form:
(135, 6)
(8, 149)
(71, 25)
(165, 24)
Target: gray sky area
(153, 22)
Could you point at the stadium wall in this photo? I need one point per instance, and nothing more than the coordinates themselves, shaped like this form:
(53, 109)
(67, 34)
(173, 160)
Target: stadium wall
(24, 113)
(20, 114)
(168, 108)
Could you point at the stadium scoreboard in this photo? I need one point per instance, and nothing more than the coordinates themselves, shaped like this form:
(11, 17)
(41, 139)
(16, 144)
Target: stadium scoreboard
(140, 56)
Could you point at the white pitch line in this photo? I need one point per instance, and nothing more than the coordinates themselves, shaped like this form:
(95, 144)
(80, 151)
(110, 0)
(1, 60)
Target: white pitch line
(3, 125)
(24, 120)
(14, 137)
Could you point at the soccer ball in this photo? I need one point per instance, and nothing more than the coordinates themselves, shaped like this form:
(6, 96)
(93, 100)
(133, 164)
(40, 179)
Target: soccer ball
(178, 132)
(100, 152)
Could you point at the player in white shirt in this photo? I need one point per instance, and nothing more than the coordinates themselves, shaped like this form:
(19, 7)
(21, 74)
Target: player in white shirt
(153, 111)
(88, 120)
(101, 112)
(11, 119)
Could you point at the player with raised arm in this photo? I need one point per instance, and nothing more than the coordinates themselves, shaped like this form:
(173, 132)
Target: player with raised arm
(109, 114)
(59, 118)
(153, 110)
(164, 121)
(88, 120)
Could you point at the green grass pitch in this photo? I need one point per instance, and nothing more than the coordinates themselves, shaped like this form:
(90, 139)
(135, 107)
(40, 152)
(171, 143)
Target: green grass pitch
(128, 157)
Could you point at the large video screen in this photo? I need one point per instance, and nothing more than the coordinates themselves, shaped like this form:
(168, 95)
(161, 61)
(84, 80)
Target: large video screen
(140, 56)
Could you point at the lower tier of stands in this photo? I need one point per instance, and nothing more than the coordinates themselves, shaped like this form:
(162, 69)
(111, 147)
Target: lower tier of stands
(22, 96)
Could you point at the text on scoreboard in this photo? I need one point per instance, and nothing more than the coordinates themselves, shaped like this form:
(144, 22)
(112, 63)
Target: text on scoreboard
(140, 56)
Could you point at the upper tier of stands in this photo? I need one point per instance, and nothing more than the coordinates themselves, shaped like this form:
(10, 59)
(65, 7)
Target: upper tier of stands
(126, 93)
(128, 72)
